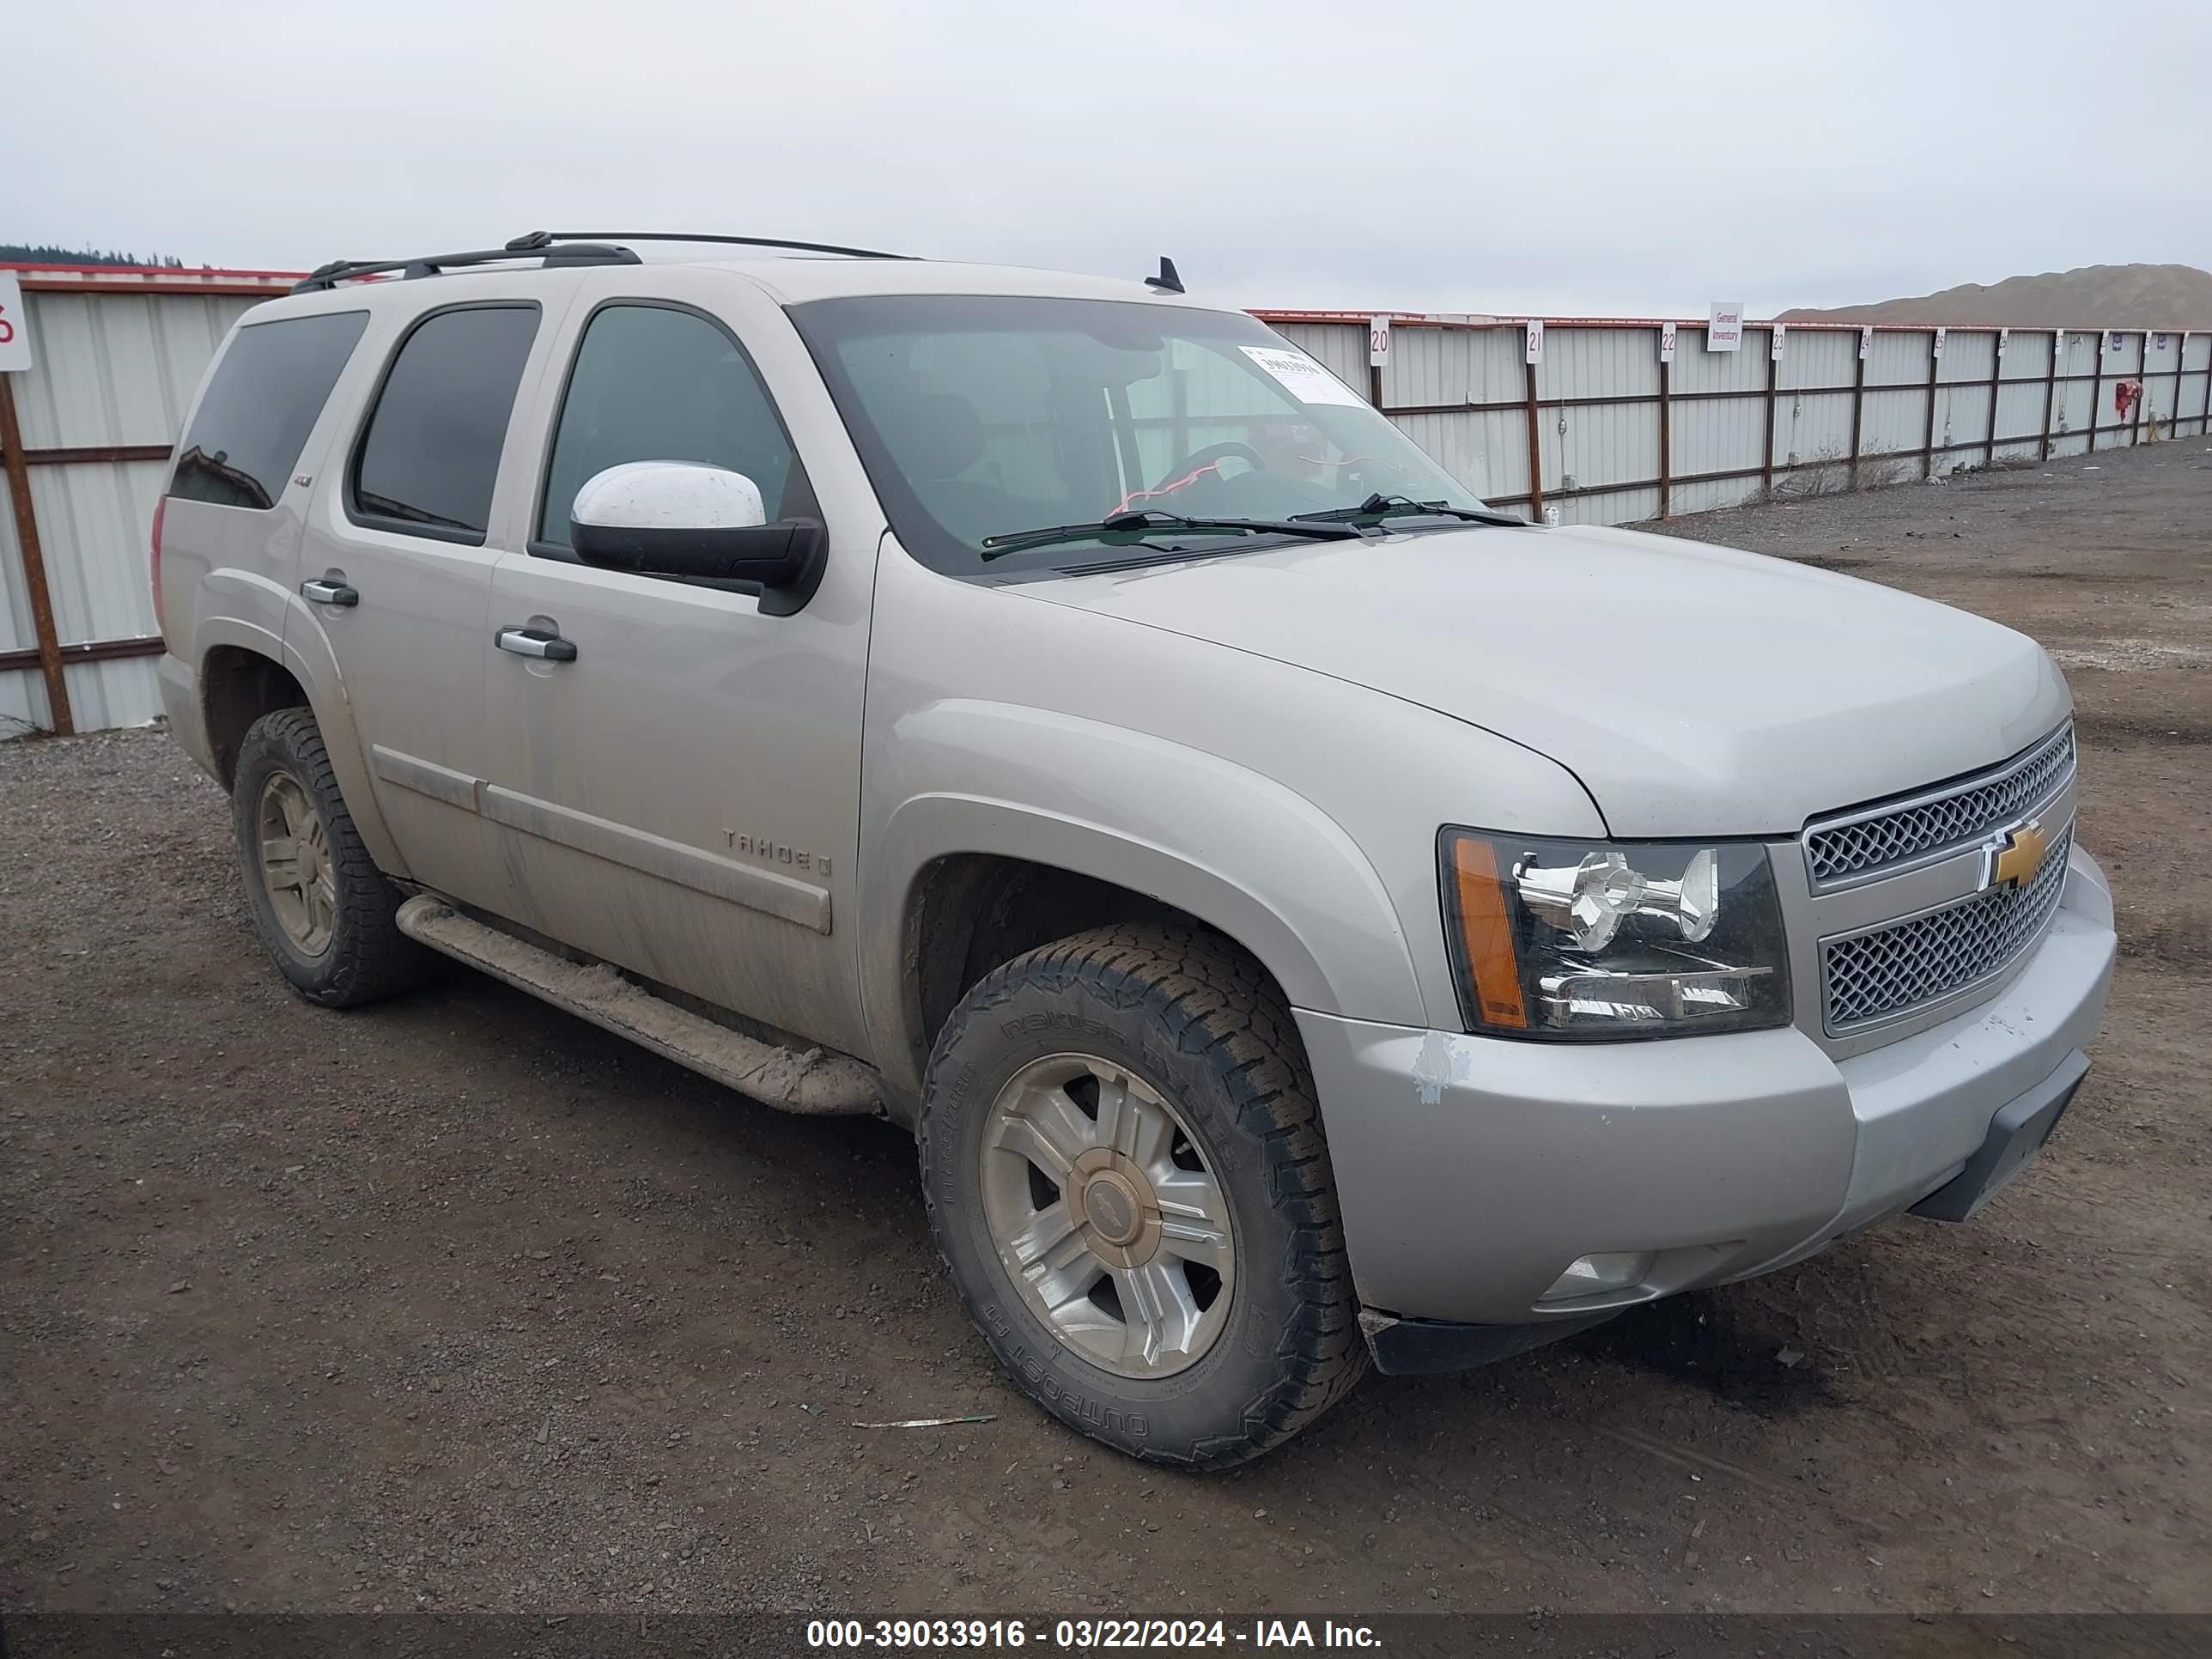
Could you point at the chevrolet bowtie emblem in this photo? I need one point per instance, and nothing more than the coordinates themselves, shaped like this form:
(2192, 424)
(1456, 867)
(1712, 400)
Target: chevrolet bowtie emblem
(2013, 858)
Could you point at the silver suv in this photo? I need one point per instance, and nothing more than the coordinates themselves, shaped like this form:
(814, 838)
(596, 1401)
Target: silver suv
(1305, 915)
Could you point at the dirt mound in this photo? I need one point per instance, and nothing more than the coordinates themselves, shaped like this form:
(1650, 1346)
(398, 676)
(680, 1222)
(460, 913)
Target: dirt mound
(2095, 296)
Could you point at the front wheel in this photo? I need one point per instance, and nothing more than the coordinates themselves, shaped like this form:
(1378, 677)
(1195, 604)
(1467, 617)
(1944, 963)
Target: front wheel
(1125, 1171)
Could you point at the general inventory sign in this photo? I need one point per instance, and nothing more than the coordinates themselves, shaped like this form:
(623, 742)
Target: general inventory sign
(1724, 329)
(14, 327)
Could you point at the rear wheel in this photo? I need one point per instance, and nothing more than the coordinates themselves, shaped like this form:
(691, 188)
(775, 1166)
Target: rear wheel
(1126, 1174)
(324, 912)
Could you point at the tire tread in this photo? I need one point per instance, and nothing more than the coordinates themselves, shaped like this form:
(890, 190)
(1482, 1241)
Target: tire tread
(370, 958)
(1220, 1005)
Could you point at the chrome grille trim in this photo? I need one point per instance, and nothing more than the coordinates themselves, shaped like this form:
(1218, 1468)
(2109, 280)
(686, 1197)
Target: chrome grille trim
(1847, 848)
(1897, 968)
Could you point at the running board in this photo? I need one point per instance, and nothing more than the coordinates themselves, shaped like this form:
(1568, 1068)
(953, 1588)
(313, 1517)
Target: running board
(817, 1082)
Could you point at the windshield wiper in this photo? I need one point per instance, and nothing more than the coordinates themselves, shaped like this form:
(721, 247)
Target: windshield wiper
(1379, 506)
(1138, 524)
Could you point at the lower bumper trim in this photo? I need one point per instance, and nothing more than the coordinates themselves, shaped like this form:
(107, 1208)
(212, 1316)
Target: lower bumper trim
(2016, 1133)
(1421, 1348)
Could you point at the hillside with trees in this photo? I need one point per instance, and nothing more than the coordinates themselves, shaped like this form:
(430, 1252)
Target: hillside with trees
(48, 254)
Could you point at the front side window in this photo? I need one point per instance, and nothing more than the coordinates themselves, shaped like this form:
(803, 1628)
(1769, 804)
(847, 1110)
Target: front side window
(981, 418)
(250, 427)
(430, 454)
(655, 383)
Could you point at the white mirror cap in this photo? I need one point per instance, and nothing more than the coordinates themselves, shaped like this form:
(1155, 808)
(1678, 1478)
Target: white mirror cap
(669, 496)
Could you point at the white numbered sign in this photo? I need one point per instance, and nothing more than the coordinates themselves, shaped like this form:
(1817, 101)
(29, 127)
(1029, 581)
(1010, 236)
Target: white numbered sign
(14, 327)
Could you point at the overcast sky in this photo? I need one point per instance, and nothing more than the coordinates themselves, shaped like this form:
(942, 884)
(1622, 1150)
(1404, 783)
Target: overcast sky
(1632, 159)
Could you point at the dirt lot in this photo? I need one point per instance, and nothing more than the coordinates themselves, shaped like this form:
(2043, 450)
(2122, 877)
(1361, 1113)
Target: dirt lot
(457, 1302)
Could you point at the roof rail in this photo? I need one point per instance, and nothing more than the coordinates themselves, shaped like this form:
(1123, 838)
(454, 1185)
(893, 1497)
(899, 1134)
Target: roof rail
(572, 253)
(536, 240)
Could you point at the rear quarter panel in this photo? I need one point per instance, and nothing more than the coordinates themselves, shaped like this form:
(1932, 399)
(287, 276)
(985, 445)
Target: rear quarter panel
(230, 575)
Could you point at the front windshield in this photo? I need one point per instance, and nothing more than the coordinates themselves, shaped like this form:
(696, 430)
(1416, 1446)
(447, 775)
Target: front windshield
(980, 417)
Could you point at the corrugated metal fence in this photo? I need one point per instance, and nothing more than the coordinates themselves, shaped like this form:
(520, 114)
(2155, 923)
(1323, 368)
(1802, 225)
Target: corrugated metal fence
(84, 442)
(1616, 422)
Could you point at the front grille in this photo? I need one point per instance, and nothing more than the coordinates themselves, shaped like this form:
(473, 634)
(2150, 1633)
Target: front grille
(1884, 838)
(1896, 968)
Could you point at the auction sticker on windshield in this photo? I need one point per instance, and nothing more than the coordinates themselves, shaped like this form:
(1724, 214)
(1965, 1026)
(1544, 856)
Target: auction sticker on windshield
(1301, 377)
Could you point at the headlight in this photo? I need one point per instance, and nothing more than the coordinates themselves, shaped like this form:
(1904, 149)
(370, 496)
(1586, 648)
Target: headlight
(1576, 939)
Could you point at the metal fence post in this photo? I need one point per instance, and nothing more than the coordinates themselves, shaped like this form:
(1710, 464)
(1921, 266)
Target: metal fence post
(2050, 384)
(1996, 386)
(1666, 437)
(2096, 393)
(1858, 409)
(2180, 361)
(1928, 432)
(1766, 456)
(2142, 384)
(17, 466)
(1536, 453)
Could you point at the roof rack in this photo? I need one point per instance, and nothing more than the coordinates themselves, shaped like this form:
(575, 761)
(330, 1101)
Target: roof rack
(554, 248)
(574, 254)
(539, 239)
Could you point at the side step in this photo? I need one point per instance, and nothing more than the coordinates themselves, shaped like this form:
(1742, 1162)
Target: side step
(817, 1082)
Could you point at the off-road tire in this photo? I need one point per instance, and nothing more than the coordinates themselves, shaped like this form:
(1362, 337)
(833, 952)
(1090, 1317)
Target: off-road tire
(368, 957)
(1201, 1023)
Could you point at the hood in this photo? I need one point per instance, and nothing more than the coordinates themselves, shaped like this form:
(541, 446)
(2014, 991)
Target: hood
(1695, 690)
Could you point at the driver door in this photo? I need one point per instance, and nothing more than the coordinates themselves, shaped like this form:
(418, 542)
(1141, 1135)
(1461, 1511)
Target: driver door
(677, 790)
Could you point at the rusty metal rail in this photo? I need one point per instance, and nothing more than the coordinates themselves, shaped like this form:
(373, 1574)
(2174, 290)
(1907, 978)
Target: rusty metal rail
(1660, 471)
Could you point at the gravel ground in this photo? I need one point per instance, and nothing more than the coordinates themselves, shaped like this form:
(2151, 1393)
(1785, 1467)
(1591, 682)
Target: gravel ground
(458, 1303)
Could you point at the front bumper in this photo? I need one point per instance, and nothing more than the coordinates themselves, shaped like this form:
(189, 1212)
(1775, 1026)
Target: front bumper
(1471, 1170)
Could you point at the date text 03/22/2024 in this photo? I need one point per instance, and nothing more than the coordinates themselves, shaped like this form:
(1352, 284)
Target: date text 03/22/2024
(901, 1635)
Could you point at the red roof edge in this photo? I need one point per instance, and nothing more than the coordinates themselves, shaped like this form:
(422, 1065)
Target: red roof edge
(150, 271)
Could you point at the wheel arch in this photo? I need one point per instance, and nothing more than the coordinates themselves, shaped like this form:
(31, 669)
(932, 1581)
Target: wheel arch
(239, 685)
(967, 913)
(965, 884)
(244, 672)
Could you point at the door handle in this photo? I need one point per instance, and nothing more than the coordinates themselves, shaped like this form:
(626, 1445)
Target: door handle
(535, 642)
(323, 591)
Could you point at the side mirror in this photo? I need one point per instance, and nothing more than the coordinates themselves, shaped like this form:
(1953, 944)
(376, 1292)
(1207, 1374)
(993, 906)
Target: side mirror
(687, 520)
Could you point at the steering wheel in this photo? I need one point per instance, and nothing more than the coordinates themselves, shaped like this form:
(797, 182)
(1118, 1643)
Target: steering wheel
(1197, 458)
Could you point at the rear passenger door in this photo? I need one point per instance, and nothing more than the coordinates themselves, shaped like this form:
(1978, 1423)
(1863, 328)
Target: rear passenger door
(679, 792)
(395, 569)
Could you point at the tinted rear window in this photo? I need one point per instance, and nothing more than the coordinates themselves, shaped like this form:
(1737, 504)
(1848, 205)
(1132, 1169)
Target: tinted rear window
(246, 434)
(431, 453)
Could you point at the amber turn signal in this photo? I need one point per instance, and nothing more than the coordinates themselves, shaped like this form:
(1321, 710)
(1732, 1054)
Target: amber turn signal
(1486, 934)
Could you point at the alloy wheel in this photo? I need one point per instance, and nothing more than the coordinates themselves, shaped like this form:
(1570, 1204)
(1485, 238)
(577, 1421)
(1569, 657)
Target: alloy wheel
(295, 864)
(1105, 1213)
